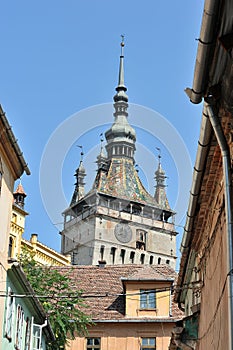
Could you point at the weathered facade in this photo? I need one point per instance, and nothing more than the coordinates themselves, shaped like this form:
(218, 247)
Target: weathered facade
(205, 282)
(12, 166)
(25, 323)
(131, 306)
(118, 221)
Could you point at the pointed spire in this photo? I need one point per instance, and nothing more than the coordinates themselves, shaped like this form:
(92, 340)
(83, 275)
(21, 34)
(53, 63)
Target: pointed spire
(160, 192)
(121, 88)
(80, 174)
(121, 136)
(101, 158)
(19, 195)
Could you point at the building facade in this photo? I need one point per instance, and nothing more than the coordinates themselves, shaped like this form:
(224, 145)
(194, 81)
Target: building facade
(12, 167)
(25, 324)
(118, 221)
(205, 281)
(131, 306)
(42, 254)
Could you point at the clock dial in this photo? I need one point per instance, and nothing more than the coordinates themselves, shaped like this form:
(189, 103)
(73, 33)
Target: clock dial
(123, 233)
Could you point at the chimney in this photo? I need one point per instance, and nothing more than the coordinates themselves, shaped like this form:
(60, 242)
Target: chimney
(102, 263)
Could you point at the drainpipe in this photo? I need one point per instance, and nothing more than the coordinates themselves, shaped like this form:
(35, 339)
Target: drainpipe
(214, 119)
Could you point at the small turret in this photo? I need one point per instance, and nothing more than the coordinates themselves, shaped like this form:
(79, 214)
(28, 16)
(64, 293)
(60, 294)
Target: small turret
(101, 158)
(80, 174)
(19, 196)
(160, 192)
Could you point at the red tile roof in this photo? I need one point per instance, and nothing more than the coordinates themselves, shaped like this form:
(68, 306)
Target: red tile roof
(103, 287)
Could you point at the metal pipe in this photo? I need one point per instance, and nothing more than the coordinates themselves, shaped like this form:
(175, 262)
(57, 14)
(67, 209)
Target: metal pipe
(228, 205)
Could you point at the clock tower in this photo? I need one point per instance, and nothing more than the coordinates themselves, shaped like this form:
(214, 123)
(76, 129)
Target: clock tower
(118, 221)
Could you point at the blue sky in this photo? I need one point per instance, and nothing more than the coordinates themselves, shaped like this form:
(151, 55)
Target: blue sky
(62, 57)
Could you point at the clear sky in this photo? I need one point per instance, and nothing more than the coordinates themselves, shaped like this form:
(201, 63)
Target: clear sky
(62, 57)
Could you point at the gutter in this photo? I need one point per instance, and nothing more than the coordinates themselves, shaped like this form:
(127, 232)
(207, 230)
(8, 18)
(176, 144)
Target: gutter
(199, 167)
(159, 320)
(205, 45)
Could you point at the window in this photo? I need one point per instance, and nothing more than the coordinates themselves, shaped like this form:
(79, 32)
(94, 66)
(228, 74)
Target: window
(93, 343)
(147, 299)
(123, 256)
(151, 260)
(19, 328)
(10, 247)
(142, 258)
(148, 343)
(141, 239)
(27, 334)
(132, 255)
(113, 252)
(10, 304)
(102, 252)
(167, 262)
(36, 336)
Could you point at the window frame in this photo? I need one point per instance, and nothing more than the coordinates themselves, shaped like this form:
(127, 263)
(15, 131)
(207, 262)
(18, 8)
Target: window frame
(10, 309)
(148, 346)
(148, 299)
(19, 327)
(93, 346)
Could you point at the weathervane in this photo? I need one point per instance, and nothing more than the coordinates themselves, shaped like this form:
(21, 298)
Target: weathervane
(82, 153)
(122, 44)
(159, 156)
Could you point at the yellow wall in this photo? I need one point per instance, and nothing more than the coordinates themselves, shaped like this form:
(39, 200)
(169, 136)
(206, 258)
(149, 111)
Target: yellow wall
(43, 254)
(133, 299)
(126, 336)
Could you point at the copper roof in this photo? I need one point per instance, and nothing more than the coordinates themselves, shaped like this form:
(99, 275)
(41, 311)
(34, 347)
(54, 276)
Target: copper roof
(103, 288)
(20, 190)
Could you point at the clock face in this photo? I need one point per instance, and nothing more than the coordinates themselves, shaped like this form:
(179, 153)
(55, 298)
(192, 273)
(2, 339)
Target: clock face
(123, 233)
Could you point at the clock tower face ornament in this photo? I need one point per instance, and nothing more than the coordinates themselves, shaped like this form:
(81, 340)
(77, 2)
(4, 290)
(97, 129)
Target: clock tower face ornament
(123, 233)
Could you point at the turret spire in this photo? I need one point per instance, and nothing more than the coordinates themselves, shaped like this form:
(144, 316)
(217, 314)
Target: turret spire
(80, 174)
(160, 192)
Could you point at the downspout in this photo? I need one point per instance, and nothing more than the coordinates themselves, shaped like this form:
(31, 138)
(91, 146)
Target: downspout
(214, 119)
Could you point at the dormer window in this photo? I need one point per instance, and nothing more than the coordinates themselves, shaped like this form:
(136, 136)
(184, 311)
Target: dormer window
(147, 299)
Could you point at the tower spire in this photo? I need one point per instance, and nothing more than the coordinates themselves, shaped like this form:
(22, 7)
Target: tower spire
(121, 136)
(160, 192)
(121, 88)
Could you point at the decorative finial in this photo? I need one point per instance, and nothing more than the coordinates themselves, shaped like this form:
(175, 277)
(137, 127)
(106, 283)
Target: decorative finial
(159, 156)
(122, 44)
(82, 153)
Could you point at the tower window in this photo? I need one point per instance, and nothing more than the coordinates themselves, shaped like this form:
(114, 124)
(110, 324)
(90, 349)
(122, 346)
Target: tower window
(123, 256)
(141, 239)
(167, 262)
(102, 252)
(159, 261)
(151, 260)
(113, 253)
(142, 259)
(132, 256)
